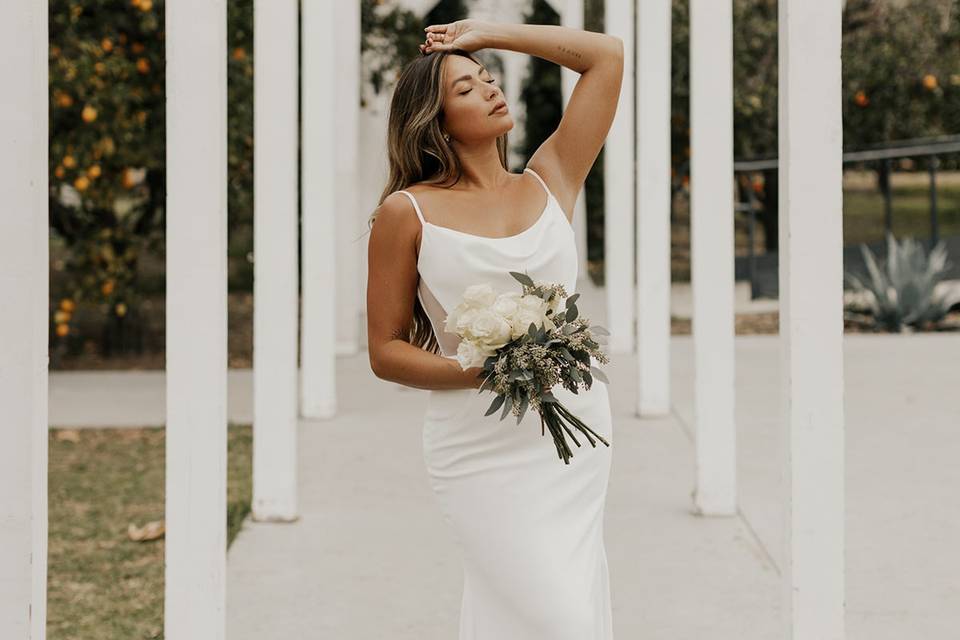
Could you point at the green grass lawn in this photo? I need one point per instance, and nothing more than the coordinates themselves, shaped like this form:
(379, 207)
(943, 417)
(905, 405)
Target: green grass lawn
(863, 213)
(101, 584)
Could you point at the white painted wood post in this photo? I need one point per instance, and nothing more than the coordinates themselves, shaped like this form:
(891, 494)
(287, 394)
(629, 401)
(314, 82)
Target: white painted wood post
(196, 321)
(24, 326)
(318, 248)
(652, 240)
(619, 210)
(711, 253)
(351, 226)
(571, 16)
(811, 319)
(275, 308)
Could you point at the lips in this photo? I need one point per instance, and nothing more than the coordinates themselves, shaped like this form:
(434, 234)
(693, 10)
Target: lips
(499, 105)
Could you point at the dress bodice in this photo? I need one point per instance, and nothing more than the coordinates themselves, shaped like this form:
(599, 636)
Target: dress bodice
(450, 260)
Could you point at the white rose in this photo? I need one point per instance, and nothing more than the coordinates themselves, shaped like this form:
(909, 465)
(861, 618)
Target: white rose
(489, 329)
(471, 355)
(507, 304)
(533, 302)
(521, 322)
(479, 295)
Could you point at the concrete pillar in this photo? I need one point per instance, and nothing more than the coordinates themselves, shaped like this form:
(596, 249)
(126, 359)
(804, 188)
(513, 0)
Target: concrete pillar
(351, 223)
(275, 314)
(619, 209)
(318, 249)
(652, 239)
(811, 318)
(24, 245)
(196, 321)
(711, 253)
(571, 16)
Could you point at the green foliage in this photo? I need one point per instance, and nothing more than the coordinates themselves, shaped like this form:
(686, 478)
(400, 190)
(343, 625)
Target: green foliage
(108, 153)
(901, 289)
(901, 70)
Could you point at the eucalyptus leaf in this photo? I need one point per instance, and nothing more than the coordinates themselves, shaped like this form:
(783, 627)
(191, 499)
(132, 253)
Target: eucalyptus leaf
(495, 404)
(599, 374)
(508, 402)
(571, 300)
(522, 278)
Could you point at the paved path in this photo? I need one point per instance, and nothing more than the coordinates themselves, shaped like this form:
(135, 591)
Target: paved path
(370, 557)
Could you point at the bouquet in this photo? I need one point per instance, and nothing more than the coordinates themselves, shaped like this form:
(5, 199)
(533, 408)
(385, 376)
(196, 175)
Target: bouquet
(526, 344)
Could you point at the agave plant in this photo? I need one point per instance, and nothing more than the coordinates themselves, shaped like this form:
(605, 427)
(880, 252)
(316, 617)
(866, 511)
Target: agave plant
(902, 287)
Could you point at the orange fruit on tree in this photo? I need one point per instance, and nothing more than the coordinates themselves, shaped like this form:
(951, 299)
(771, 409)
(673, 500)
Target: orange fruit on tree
(145, 5)
(69, 162)
(94, 171)
(61, 317)
(59, 171)
(89, 114)
(63, 329)
(239, 53)
(861, 99)
(127, 179)
(930, 82)
(64, 100)
(82, 183)
(143, 65)
(107, 287)
(107, 45)
(67, 304)
(137, 47)
(121, 309)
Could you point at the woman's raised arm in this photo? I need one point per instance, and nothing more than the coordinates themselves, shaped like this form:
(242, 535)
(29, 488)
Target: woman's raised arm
(565, 157)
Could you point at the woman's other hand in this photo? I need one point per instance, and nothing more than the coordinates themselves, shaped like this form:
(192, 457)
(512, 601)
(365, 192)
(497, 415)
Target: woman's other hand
(469, 35)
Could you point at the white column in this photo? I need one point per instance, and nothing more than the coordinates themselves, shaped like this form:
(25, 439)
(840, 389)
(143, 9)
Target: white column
(619, 174)
(351, 223)
(652, 240)
(318, 248)
(275, 310)
(711, 253)
(572, 16)
(196, 316)
(811, 318)
(24, 245)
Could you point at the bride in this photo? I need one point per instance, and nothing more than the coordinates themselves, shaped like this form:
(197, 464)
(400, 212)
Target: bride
(452, 214)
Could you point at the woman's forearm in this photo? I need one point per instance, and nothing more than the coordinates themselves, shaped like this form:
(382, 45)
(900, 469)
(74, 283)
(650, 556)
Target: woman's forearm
(401, 362)
(573, 48)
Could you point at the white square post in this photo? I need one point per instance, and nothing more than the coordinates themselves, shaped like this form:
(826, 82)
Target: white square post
(24, 325)
(811, 318)
(711, 253)
(618, 205)
(196, 320)
(652, 239)
(275, 299)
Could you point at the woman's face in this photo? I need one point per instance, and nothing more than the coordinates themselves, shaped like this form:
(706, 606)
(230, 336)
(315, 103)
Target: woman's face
(470, 95)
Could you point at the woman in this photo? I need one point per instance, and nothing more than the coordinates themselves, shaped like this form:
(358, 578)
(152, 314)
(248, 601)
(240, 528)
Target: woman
(530, 527)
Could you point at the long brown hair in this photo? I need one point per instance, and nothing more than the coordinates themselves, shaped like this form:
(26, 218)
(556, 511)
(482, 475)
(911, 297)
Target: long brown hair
(417, 152)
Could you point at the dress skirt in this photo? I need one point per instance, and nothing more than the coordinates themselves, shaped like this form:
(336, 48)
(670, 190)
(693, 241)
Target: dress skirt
(530, 527)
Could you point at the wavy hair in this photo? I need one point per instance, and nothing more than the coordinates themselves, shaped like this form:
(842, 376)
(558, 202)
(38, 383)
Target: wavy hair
(417, 152)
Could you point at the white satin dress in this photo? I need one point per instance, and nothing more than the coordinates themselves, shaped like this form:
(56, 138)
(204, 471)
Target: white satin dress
(529, 526)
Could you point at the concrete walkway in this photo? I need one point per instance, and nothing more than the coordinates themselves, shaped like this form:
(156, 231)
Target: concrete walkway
(370, 557)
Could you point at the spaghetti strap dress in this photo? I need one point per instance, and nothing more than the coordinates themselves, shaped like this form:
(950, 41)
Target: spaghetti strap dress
(530, 528)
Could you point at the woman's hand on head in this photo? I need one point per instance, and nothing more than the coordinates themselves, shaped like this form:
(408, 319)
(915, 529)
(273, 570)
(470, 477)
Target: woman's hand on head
(469, 35)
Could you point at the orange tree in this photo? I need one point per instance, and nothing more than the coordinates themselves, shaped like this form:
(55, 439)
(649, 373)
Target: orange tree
(107, 155)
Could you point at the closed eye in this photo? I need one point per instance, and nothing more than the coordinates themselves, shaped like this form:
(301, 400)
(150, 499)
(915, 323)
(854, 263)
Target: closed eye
(463, 93)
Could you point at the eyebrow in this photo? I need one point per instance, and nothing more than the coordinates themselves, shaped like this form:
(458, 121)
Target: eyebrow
(467, 77)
